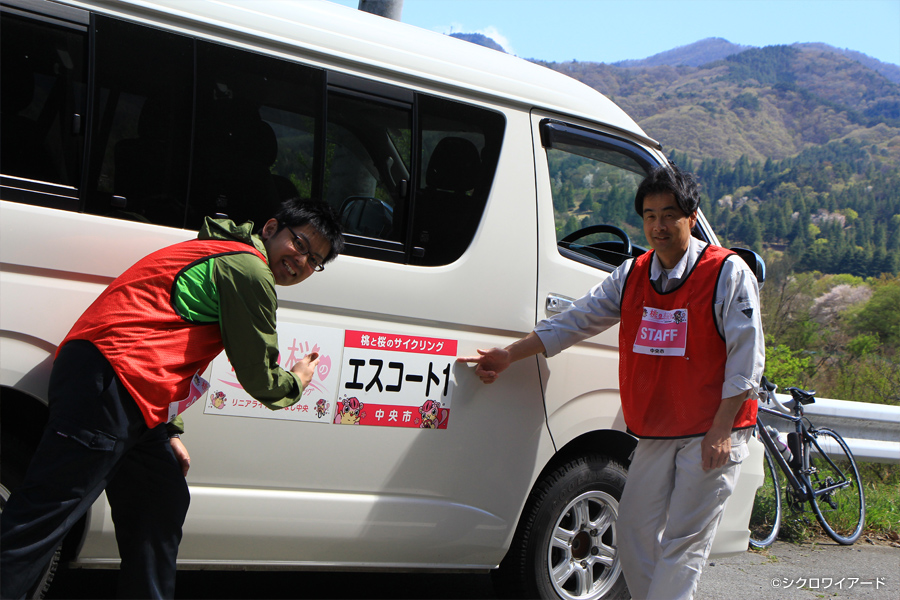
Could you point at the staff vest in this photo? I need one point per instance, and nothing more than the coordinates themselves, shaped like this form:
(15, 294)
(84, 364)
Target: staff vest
(675, 396)
(155, 351)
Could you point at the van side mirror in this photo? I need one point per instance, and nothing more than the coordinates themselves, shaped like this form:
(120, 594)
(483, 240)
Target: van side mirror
(362, 215)
(755, 262)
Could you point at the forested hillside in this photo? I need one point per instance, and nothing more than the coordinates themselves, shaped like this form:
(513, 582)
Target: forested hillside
(832, 208)
(761, 103)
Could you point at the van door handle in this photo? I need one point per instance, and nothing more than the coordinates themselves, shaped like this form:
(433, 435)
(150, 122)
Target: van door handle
(557, 303)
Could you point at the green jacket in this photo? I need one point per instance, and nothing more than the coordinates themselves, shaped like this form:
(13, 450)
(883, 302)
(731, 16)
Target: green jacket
(237, 291)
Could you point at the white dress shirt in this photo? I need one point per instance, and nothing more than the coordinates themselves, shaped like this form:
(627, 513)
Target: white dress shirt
(737, 315)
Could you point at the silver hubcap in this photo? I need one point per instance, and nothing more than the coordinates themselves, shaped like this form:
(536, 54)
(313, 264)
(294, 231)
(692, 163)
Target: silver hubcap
(582, 557)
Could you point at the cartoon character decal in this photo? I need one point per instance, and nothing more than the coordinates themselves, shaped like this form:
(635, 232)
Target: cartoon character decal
(218, 400)
(349, 412)
(322, 407)
(433, 416)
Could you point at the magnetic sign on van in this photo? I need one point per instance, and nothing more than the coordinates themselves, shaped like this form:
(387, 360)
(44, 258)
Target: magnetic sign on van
(227, 396)
(395, 380)
(383, 379)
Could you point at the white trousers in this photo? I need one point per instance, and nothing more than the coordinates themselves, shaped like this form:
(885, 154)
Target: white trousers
(669, 513)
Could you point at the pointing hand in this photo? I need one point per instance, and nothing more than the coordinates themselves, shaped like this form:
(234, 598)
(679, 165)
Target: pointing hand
(490, 363)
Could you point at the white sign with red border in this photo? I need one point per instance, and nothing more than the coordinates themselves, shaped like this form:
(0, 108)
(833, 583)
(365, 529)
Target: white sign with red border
(227, 397)
(395, 380)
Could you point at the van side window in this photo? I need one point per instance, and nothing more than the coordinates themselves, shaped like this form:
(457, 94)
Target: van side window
(140, 129)
(180, 128)
(255, 134)
(42, 106)
(593, 179)
(367, 168)
(460, 146)
(404, 193)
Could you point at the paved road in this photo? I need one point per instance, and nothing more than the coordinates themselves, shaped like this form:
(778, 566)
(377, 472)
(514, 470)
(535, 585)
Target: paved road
(784, 572)
(804, 572)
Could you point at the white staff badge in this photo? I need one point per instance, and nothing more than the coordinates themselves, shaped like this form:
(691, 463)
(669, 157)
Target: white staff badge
(662, 332)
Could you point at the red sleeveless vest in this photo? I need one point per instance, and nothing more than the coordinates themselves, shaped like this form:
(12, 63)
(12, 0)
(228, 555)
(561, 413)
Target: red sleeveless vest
(153, 350)
(675, 396)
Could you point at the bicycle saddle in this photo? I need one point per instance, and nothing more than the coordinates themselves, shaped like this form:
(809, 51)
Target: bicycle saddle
(802, 396)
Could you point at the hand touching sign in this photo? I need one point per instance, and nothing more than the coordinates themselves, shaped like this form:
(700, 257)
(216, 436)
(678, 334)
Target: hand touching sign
(306, 367)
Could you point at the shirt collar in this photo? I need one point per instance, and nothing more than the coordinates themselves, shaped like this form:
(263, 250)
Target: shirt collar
(687, 262)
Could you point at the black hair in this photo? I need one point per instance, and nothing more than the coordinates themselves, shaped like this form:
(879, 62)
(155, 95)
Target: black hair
(669, 180)
(297, 212)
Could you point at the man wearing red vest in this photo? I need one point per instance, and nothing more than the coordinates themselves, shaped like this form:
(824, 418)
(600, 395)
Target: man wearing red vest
(132, 363)
(691, 354)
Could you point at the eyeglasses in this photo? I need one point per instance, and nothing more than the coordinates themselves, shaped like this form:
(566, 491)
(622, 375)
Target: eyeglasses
(302, 246)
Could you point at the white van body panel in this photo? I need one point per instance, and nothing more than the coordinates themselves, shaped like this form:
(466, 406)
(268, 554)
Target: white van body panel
(732, 536)
(277, 493)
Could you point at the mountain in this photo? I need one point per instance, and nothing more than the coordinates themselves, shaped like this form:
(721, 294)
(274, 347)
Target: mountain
(891, 72)
(692, 55)
(716, 99)
(480, 39)
(713, 49)
(761, 103)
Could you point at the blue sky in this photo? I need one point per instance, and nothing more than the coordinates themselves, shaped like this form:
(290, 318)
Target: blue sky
(613, 30)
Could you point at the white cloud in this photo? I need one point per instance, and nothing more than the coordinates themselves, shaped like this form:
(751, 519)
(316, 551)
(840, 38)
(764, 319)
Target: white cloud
(498, 37)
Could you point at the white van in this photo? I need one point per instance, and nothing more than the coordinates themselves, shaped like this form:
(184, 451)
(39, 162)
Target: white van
(480, 193)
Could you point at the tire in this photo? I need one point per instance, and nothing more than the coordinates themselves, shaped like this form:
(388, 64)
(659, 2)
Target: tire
(14, 459)
(765, 520)
(565, 545)
(842, 512)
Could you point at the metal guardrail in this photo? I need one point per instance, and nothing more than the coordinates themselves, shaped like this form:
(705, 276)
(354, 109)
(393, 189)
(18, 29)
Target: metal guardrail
(871, 430)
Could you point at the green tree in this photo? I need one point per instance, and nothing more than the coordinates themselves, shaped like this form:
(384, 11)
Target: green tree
(881, 314)
(786, 367)
(587, 203)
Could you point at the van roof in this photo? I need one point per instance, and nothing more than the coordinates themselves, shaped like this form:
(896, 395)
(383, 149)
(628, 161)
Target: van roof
(344, 36)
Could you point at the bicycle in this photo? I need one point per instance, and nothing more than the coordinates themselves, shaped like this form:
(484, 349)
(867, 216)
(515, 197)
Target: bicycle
(831, 485)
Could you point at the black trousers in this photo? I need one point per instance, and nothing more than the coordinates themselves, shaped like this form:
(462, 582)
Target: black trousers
(96, 439)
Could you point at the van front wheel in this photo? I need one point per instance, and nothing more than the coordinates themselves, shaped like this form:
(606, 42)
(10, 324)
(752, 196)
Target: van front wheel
(566, 543)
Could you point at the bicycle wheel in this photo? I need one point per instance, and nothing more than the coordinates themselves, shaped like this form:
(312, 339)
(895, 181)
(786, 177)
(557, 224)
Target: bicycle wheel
(838, 500)
(765, 519)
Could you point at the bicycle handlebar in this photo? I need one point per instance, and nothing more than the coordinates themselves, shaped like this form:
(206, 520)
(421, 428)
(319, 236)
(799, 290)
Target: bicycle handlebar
(768, 390)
